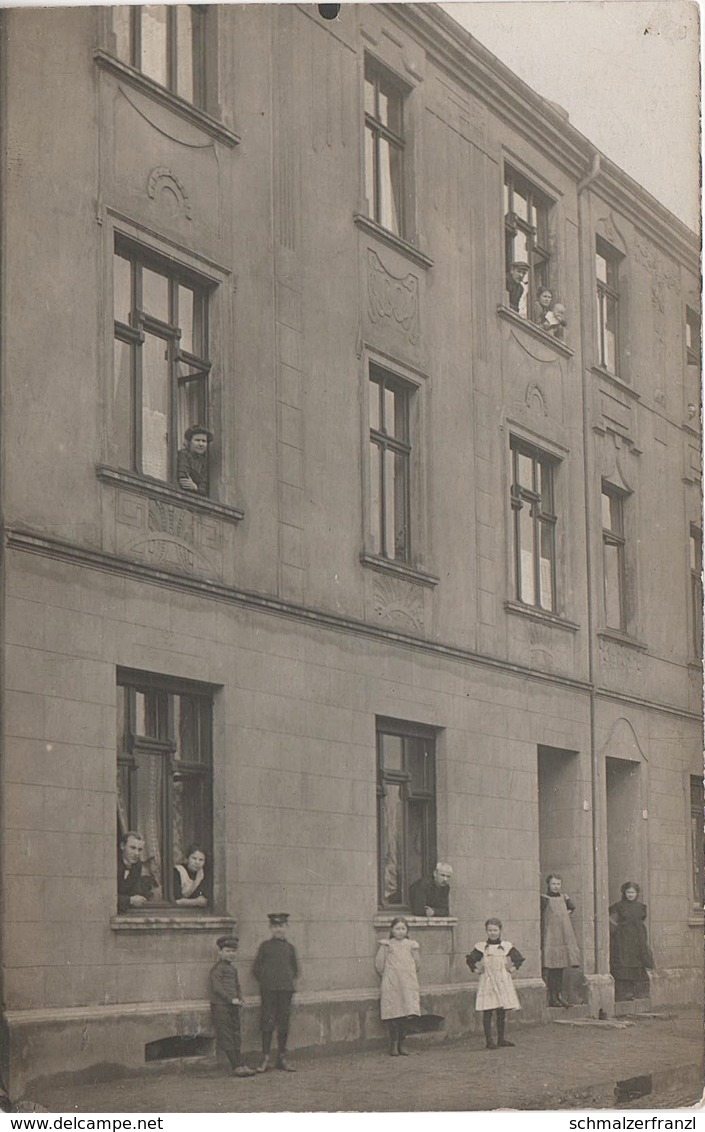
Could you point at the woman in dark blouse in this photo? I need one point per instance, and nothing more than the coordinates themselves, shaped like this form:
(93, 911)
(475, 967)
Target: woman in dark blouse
(190, 879)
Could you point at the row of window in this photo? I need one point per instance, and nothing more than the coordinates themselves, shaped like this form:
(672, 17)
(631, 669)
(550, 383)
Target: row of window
(168, 44)
(160, 388)
(165, 790)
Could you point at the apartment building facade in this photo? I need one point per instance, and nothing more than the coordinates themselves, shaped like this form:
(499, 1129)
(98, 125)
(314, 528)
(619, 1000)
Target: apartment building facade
(442, 598)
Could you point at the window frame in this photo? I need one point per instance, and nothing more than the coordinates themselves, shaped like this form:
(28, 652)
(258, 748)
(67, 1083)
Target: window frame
(614, 537)
(402, 778)
(520, 496)
(140, 326)
(199, 13)
(692, 332)
(695, 548)
(607, 291)
(697, 844)
(379, 379)
(538, 236)
(164, 690)
(377, 73)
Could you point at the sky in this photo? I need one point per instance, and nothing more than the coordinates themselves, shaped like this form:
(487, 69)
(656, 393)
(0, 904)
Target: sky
(627, 72)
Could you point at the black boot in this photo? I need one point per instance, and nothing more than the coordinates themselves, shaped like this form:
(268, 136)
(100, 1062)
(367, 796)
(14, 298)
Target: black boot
(393, 1038)
(487, 1027)
(501, 1040)
(401, 1034)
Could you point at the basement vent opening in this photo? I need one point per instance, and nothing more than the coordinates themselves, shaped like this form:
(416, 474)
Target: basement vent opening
(182, 1045)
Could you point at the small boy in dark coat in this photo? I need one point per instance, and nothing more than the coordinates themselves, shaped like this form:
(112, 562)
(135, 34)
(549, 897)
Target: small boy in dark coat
(276, 970)
(226, 1000)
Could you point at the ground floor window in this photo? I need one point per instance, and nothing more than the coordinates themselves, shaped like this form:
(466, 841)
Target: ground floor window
(164, 788)
(406, 808)
(697, 841)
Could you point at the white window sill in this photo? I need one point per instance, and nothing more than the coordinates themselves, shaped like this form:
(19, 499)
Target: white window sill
(384, 920)
(542, 615)
(168, 920)
(399, 569)
(180, 106)
(157, 489)
(392, 240)
(535, 331)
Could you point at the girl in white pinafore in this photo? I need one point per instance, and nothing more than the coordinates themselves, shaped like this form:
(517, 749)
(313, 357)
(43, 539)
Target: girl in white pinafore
(398, 961)
(495, 991)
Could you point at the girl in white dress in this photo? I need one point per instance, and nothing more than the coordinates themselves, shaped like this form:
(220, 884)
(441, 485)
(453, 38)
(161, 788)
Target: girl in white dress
(398, 961)
(496, 958)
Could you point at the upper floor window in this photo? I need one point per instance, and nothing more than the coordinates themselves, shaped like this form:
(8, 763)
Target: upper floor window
(692, 336)
(384, 148)
(390, 464)
(406, 809)
(167, 43)
(613, 556)
(527, 258)
(697, 842)
(607, 276)
(164, 770)
(696, 590)
(534, 525)
(161, 367)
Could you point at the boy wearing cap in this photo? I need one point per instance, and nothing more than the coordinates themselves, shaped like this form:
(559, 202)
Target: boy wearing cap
(276, 969)
(192, 461)
(226, 1000)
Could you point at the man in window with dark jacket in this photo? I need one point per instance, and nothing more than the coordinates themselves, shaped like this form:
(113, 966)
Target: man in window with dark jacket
(430, 896)
(134, 890)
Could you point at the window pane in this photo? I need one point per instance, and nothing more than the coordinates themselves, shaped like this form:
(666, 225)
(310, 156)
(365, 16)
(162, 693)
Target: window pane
(121, 30)
(401, 531)
(190, 726)
(184, 51)
(155, 294)
(149, 791)
(390, 186)
(390, 105)
(391, 849)
(601, 267)
(419, 763)
(186, 305)
(392, 751)
(388, 414)
(370, 173)
(122, 289)
(191, 408)
(610, 333)
(545, 477)
(376, 499)
(401, 415)
(606, 512)
(613, 609)
(374, 406)
(417, 854)
(154, 42)
(191, 818)
(526, 555)
(525, 470)
(123, 799)
(121, 429)
(521, 204)
(150, 715)
(155, 408)
(370, 97)
(121, 708)
(546, 565)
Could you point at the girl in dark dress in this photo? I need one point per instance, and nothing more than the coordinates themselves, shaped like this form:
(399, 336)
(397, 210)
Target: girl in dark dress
(630, 955)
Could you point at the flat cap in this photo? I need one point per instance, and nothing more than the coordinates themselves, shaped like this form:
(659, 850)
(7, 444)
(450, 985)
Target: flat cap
(228, 941)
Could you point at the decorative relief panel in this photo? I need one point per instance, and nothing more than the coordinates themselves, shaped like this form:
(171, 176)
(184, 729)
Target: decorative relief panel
(664, 275)
(167, 191)
(396, 603)
(391, 299)
(169, 537)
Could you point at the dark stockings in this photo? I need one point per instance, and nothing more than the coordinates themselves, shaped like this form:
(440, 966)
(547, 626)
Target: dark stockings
(397, 1033)
(554, 982)
(487, 1026)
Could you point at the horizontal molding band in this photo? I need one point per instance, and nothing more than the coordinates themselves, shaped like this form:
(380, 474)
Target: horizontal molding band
(32, 543)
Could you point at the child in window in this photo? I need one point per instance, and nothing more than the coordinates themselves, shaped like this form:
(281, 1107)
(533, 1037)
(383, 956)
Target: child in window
(226, 1001)
(398, 961)
(495, 993)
